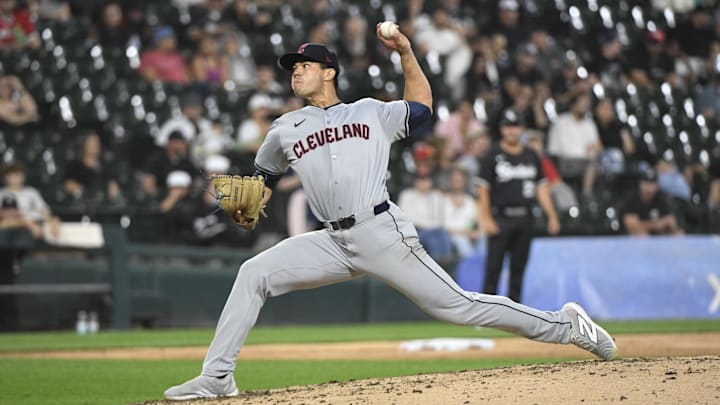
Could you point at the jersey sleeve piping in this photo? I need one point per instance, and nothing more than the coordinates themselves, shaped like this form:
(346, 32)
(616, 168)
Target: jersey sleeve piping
(407, 120)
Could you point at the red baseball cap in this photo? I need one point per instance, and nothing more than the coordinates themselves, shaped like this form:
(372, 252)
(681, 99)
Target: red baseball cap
(656, 36)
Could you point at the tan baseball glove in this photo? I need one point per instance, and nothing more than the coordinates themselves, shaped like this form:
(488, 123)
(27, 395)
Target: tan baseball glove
(241, 193)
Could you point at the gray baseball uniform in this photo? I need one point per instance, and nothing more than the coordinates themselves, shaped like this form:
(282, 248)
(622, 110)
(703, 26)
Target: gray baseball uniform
(341, 154)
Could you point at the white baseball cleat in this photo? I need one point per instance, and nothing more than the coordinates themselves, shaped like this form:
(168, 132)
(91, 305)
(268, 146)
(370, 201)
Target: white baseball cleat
(588, 335)
(203, 387)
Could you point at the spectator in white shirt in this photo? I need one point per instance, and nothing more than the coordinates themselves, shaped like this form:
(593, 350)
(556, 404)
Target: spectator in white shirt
(461, 219)
(34, 213)
(445, 37)
(204, 137)
(425, 206)
(574, 141)
(251, 132)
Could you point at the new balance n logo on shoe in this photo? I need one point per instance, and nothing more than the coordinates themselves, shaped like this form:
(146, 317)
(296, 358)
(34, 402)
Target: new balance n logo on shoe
(587, 329)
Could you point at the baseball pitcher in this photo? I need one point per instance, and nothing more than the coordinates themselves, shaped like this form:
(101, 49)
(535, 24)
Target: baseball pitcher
(341, 151)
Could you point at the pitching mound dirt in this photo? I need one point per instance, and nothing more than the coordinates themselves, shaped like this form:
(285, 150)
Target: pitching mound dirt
(683, 380)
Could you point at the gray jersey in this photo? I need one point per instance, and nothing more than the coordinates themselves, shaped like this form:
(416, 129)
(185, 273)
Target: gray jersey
(340, 152)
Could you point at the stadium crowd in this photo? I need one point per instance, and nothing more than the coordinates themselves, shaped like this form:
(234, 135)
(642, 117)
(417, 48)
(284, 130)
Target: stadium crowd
(121, 110)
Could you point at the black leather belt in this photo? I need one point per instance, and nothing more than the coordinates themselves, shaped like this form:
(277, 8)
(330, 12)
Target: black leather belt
(511, 211)
(348, 222)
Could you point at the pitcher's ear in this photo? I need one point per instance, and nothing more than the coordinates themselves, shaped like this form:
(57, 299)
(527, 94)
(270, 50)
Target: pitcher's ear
(334, 73)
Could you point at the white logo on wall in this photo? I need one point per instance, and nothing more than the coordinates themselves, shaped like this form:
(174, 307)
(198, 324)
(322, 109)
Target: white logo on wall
(587, 329)
(715, 284)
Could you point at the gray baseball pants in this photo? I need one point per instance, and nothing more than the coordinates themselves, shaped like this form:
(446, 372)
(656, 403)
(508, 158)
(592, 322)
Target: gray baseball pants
(385, 247)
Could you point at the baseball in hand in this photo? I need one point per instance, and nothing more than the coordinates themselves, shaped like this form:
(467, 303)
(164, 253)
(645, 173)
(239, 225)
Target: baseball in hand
(388, 29)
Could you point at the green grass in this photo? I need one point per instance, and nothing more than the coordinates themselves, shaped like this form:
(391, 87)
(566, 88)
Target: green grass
(51, 381)
(306, 334)
(32, 381)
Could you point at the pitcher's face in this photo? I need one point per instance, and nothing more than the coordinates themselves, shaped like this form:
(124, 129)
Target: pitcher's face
(308, 77)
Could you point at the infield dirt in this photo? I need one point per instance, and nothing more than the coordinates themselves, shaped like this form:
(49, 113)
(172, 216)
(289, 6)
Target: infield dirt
(681, 380)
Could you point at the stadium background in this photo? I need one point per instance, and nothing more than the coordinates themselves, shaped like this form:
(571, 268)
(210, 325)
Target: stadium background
(83, 69)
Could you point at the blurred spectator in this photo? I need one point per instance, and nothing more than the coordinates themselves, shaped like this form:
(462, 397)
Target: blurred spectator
(195, 218)
(445, 38)
(241, 66)
(461, 218)
(708, 100)
(163, 62)
(314, 13)
(85, 176)
(548, 55)
(267, 82)
(409, 13)
(322, 33)
(444, 158)
(175, 157)
(646, 210)
(354, 47)
(251, 132)
(524, 70)
(17, 106)
(51, 10)
(23, 205)
(529, 104)
(209, 67)
(178, 186)
(569, 84)
(573, 140)
(189, 219)
(17, 30)
(617, 143)
(245, 16)
(477, 145)
(652, 62)
(562, 195)
(112, 31)
(690, 42)
(204, 137)
(481, 79)
(609, 63)
(190, 123)
(458, 125)
(424, 206)
(509, 24)
(671, 181)
(205, 18)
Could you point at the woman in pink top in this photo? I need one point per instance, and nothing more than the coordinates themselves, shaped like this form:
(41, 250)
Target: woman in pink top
(457, 127)
(164, 62)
